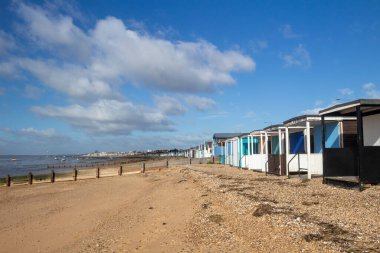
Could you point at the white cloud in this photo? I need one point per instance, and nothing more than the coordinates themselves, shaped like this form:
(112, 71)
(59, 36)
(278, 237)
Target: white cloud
(7, 43)
(9, 70)
(258, 45)
(50, 132)
(313, 111)
(70, 79)
(298, 57)
(32, 92)
(371, 91)
(200, 103)
(157, 63)
(52, 31)
(94, 62)
(31, 140)
(221, 114)
(34, 133)
(90, 66)
(169, 105)
(109, 117)
(345, 92)
(287, 32)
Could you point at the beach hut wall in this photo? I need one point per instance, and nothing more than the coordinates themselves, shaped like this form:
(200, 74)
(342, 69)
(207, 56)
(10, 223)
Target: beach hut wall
(354, 163)
(220, 143)
(304, 141)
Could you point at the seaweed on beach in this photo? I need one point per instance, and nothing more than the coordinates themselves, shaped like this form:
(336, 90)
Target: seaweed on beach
(217, 218)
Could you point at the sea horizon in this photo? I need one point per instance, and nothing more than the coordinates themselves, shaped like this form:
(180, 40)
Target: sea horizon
(18, 165)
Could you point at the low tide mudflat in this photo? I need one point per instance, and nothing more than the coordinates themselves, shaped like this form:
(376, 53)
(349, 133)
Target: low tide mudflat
(197, 208)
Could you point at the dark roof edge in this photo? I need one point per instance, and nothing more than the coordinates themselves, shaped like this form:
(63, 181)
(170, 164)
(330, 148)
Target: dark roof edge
(273, 126)
(357, 101)
(225, 135)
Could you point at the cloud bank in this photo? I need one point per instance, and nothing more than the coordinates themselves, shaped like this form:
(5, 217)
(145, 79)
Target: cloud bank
(110, 54)
(91, 66)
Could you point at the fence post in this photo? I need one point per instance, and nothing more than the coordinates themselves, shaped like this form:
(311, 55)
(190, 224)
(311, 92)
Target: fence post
(213, 159)
(143, 168)
(30, 178)
(121, 170)
(98, 172)
(9, 179)
(167, 163)
(190, 161)
(75, 174)
(52, 178)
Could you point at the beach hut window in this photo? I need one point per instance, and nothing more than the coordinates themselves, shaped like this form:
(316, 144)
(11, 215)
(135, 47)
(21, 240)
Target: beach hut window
(297, 143)
(371, 130)
(331, 138)
(255, 145)
(274, 145)
(245, 146)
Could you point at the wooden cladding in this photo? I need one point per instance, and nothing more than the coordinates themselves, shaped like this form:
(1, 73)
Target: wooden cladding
(349, 133)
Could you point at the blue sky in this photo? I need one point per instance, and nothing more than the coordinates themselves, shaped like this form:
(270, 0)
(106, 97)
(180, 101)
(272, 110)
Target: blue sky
(120, 75)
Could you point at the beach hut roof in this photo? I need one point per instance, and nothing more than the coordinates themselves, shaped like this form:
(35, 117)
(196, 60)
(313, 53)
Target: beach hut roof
(349, 108)
(273, 127)
(225, 135)
(313, 119)
(302, 118)
(244, 134)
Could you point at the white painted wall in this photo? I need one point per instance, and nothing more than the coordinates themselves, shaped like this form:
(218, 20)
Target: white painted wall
(293, 165)
(246, 161)
(259, 161)
(254, 162)
(235, 155)
(316, 163)
(371, 130)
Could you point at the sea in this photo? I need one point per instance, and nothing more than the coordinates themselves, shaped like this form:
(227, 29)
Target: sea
(38, 164)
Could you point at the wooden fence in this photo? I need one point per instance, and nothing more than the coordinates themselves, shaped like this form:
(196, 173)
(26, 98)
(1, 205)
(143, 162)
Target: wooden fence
(98, 171)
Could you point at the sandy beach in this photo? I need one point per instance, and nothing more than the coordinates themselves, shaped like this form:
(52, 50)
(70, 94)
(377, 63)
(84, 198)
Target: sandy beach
(197, 208)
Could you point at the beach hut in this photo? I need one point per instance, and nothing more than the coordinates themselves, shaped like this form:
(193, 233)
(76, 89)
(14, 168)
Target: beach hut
(199, 151)
(219, 144)
(276, 163)
(228, 152)
(303, 141)
(207, 149)
(234, 150)
(256, 156)
(358, 160)
(245, 150)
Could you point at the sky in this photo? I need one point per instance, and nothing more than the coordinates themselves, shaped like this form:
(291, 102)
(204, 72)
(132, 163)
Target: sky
(79, 76)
